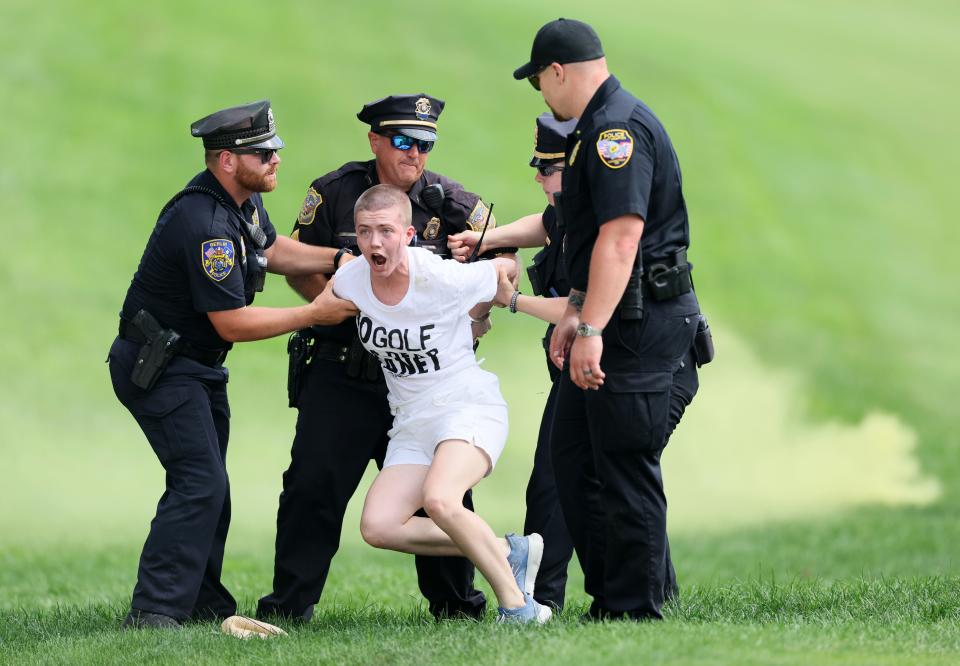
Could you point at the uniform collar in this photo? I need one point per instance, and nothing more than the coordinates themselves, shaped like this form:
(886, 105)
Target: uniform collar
(606, 89)
(207, 179)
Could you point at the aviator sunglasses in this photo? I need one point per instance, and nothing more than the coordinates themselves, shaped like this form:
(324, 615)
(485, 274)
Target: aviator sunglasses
(266, 154)
(404, 142)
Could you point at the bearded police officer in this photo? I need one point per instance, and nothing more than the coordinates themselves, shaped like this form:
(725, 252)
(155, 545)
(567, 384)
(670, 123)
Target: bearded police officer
(628, 333)
(189, 301)
(338, 387)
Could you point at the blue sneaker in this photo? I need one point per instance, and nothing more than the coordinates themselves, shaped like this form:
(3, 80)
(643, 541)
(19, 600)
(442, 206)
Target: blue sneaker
(531, 612)
(524, 558)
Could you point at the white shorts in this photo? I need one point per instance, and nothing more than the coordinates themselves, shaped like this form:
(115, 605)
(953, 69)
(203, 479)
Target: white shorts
(476, 416)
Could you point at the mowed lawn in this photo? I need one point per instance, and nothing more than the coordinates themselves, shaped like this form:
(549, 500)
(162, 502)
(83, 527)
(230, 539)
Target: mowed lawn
(814, 484)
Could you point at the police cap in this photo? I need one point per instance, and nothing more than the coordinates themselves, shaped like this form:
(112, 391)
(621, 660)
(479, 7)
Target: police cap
(561, 41)
(551, 145)
(245, 126)
(412, 115)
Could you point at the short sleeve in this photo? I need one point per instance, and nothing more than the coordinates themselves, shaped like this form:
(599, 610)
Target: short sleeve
(619, 166)
(476, 282)
(313, 225)
(211, 255)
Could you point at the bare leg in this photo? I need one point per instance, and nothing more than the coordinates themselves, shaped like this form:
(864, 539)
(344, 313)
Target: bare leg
(400, 490)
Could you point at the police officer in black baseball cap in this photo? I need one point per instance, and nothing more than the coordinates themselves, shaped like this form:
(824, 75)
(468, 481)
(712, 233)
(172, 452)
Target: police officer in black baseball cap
(187, 304)
(626, 342)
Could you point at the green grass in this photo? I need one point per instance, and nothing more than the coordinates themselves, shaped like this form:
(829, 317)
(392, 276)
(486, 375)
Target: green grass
(814, 483)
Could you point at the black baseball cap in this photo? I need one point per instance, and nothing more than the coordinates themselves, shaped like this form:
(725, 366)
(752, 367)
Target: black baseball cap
(244, 126)
(561, 41)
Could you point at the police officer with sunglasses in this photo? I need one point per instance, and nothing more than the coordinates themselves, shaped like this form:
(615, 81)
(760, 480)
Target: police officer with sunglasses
(627, 337)
(189, 301)
(548, 281)
(338, 387)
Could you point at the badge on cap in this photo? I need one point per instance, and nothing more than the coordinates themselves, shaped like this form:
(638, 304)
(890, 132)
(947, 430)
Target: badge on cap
(218, 258)
(422, 108)
(309, 208)
(615, 147)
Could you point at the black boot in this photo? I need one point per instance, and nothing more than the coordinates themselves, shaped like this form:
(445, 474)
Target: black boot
(138, 619)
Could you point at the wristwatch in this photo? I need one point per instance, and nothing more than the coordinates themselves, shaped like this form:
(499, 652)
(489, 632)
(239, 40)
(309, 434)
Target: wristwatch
(586, 330)
(339, 255)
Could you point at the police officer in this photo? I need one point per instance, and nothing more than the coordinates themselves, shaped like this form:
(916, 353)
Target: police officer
(188, 302)
(548, 279)
(341, 394)
(628, 333)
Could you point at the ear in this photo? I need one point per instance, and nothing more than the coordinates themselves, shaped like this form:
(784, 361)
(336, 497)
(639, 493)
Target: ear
(227, 161)
(411, 232)
(374, 139)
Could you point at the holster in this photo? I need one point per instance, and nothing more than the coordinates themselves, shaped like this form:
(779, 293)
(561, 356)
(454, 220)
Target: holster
(361, 364)
(161, 345)
(298, 349)
(533, 274)
(665, 281)
(703, 343)
(631, 303)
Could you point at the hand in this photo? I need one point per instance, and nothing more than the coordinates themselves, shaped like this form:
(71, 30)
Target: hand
(346, 257)
(585, 356)
(562, 338)
(329, 309)
(462, 244)
(480, 327)
(505, 291)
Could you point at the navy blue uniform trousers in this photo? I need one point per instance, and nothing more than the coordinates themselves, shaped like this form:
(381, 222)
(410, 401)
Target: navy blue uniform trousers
(342, 425)
(186, 419)
(608, 467)
(544, 515)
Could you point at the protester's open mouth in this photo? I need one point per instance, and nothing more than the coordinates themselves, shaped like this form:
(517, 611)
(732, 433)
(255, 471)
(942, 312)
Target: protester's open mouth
(378, 259)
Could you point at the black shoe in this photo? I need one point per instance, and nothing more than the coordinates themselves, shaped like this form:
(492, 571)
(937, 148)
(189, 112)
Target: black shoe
(138, 619)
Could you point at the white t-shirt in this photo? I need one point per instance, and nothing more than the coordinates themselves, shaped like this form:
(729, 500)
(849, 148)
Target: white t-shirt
(424, 341)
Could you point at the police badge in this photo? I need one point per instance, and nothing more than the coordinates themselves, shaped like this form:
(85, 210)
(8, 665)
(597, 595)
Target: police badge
(217, 257)
(309, 208)
(422, 108)
(432, 230)
(478, 217)
(615, 147)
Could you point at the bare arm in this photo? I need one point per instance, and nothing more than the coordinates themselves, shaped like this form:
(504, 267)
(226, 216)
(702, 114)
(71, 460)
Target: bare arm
(528, 231)
(258, 323)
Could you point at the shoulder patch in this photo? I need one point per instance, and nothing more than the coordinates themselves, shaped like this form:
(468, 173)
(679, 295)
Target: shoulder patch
(615, 147)
(309, 208)
(217, 256)
(478, 216)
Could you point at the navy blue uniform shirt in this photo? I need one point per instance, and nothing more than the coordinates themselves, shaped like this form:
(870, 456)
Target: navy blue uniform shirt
(620, 161)
(326, 217)
(199, 259)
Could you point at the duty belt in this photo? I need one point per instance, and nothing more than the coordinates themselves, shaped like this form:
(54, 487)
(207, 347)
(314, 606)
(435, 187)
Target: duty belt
(212, 357)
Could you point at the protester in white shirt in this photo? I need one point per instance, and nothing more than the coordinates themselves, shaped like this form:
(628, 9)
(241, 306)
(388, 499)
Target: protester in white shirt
(450, 421)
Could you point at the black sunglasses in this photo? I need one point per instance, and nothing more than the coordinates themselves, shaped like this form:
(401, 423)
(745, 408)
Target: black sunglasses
(266, 154)
(404, 142)
(534, 78)
(547, 170)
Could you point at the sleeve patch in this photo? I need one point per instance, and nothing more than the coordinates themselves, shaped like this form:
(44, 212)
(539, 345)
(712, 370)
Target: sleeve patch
(615, 147)
(309, 208)
(217, 256)
(478, 216)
